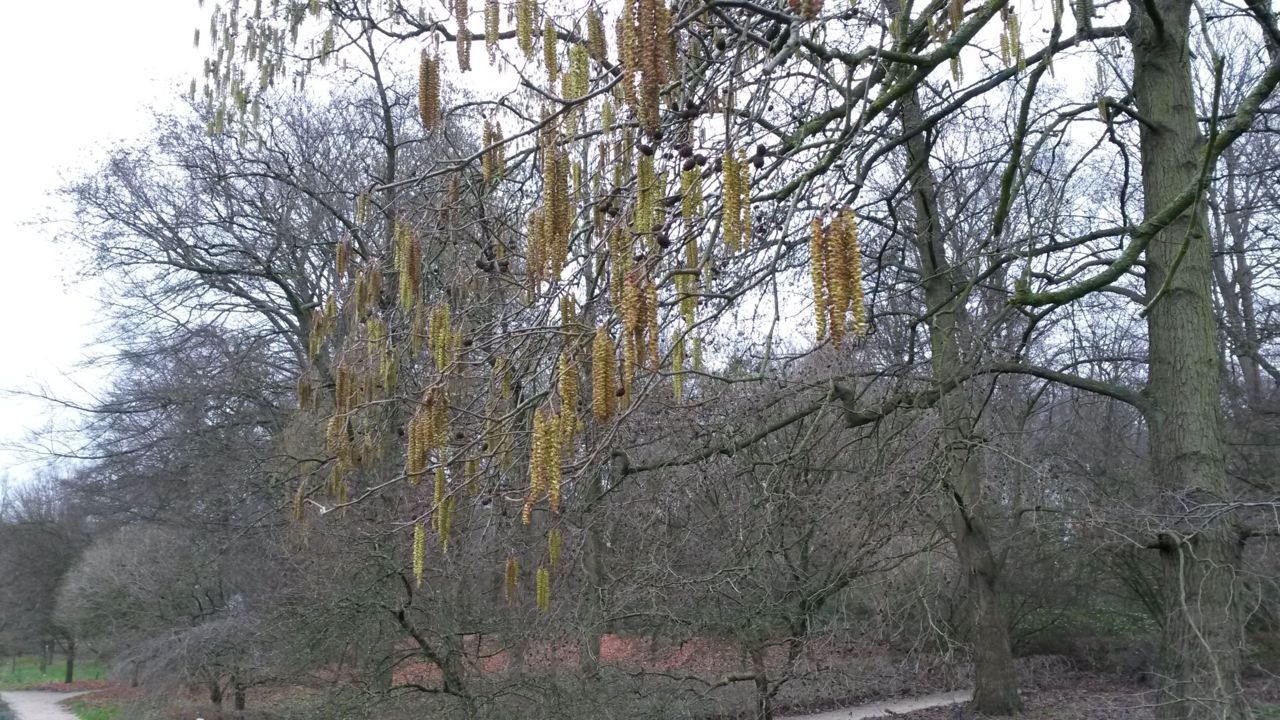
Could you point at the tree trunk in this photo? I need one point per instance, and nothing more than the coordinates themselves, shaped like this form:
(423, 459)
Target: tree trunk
(215, 694)
(589, 663)
(1203, 635)
(760, 672)
(239, 698)
(46, 657)
(995, 682)
(71, 661)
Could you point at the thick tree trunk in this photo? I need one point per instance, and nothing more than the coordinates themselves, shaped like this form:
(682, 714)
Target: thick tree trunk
(760, 672)
(995, 682)
(239, 698)
(1202, 639)
(71, 661)
(215, 694)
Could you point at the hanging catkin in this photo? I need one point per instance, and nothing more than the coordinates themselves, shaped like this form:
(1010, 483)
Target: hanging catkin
(602, 376)
(429, 90)
(419, 553)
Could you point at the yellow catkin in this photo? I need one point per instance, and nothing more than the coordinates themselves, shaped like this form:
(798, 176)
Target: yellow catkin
(419, 553)
(690, 194)
(549, 56)
(306, 392)
(628, 52)
(837, 284)
(568, 399)
(342, 255)
(817, 258)
(525, 10)
(408, 264)
(559, 218)
(568, 315)
(440, 337)
(415, 454)
(486, 158)
(744, 198)
(512, 578)
(429, 90)
(651, 322)
(1015, 41)
(535, 255)
(491, 27)
(493, 159)
(544, 588)
(732, 215)
(551, 459)
(689, 302)
(418, 330)
(438, 501)
(620, 258)
(606, 123)
(554, 542)
(446, 522)
(644, 41)
(579, 71)
(602, 375)
(836, 267)
(340, 391)
(853, 267)
(538, 461)
(461, 13)
(597, 44)
(339, 441)
(633, 320)
(319, 329)
(648, 194)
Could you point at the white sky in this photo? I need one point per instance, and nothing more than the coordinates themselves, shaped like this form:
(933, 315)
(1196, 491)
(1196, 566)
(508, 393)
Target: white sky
(78, 75)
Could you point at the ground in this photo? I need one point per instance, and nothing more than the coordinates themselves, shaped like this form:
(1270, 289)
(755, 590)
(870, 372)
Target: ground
(37, 705)
(1055, 691)
(1093, 697)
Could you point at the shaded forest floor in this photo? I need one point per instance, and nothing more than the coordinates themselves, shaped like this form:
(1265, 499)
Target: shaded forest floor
(1080, 696)
(837, 679)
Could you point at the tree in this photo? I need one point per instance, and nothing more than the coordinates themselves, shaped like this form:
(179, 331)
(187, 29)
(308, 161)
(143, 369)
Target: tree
(41, 535)
(484, 319)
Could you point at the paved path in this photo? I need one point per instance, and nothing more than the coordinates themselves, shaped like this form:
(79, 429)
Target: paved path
(31, 705)
(887, 708)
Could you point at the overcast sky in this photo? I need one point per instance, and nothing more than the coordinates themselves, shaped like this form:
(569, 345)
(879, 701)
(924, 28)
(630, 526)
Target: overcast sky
(79, 76)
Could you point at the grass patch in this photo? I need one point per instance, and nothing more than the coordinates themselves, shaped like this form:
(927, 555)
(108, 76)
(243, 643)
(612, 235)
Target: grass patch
(25, 672)
(1267, 712)
(88, 710)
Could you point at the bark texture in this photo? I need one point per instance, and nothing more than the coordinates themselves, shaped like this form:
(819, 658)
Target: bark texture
(1201, 649)
(995, 682)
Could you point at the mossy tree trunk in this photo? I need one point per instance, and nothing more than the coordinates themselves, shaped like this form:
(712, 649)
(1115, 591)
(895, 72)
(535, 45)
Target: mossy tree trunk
(1201, 645)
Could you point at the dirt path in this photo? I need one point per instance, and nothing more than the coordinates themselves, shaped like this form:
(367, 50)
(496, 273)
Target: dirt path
(30, 705)
(888, 708)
